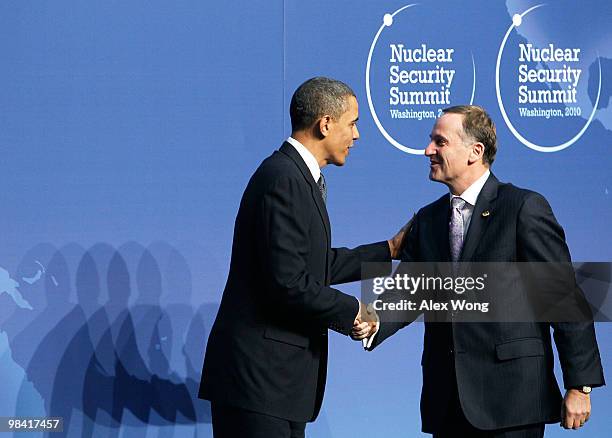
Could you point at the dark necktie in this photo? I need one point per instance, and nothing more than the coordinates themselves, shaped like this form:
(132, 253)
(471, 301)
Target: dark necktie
(322, 187)
(456, 228)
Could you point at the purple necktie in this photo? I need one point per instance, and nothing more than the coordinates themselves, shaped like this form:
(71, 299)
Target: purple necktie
(456, 228)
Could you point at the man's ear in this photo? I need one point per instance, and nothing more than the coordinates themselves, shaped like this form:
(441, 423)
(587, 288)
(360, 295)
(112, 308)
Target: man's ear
(324, 125)
(476, 153)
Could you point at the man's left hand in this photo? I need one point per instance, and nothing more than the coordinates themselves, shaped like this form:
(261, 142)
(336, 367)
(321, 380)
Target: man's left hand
(575, 410)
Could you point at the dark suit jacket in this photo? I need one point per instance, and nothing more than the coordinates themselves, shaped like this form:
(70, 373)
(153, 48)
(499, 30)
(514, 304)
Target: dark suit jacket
(267, 350)
(503, 371)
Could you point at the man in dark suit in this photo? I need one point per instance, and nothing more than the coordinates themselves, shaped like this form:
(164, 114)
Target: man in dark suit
(266, 359)
(491, 379)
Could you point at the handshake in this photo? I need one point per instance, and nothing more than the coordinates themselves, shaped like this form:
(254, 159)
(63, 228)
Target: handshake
(365, 324)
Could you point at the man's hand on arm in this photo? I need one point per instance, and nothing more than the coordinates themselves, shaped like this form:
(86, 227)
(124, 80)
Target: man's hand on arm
(396, 243)
(575, 409)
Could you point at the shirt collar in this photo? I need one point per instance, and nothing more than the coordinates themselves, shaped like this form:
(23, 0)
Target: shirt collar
(470, 195)
(308, 158)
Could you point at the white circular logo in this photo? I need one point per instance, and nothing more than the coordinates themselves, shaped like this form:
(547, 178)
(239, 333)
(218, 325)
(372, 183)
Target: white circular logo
(548, 79)
(422, 79)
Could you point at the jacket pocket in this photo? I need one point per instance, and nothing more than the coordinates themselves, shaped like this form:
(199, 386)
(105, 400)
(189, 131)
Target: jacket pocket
(520, 348)
(286, 337)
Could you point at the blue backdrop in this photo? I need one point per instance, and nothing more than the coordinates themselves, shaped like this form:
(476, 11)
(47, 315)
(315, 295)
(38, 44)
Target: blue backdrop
(128, 131)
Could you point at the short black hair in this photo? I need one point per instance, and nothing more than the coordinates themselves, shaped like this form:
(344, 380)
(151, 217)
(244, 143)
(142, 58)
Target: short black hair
(318, 97)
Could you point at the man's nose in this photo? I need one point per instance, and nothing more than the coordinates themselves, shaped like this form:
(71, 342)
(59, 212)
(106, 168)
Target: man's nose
(430, 149)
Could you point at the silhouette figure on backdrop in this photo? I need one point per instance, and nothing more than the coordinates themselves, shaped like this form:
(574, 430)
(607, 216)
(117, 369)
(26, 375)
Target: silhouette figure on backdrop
(69, 384)
(176, 303)
(97, 281)
(132, 388)
(19, 397)
(48, 334)
(175, 401)
(32, 267)
(69, 362)
(92, 281)
(101, 402)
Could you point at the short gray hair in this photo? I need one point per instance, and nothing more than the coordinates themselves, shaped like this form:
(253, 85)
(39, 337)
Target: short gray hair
(318, 97)
(477, 125)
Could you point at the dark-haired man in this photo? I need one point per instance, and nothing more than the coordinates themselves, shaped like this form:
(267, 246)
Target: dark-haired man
(266, 358)
(491, 379)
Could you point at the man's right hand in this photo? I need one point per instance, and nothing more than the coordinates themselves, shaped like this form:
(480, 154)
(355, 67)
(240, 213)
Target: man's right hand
(365, 322)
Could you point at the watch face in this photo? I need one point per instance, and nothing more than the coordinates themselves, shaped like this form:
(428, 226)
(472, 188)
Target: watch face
(586, 389)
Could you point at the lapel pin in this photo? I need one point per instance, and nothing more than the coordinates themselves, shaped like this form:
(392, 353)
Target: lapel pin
(486, 213)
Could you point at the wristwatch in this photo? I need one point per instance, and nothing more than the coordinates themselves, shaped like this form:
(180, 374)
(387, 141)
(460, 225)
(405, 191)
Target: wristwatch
(584, 389)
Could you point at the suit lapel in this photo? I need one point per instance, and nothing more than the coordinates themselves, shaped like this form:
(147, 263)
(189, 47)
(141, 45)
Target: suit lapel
(290, 151)
(480, 218)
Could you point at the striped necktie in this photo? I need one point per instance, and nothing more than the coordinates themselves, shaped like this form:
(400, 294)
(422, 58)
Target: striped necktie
(456, 228)
(322, 187)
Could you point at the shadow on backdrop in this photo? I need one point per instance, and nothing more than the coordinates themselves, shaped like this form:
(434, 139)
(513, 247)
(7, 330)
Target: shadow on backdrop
(112, 340)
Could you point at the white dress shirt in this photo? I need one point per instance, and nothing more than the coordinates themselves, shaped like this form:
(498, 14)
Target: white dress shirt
(308, 158)
(470, 196)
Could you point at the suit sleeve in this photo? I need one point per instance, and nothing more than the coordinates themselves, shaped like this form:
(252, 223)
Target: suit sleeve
(284, 253)
(541, 239)
(389, 323)
(346, 263)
